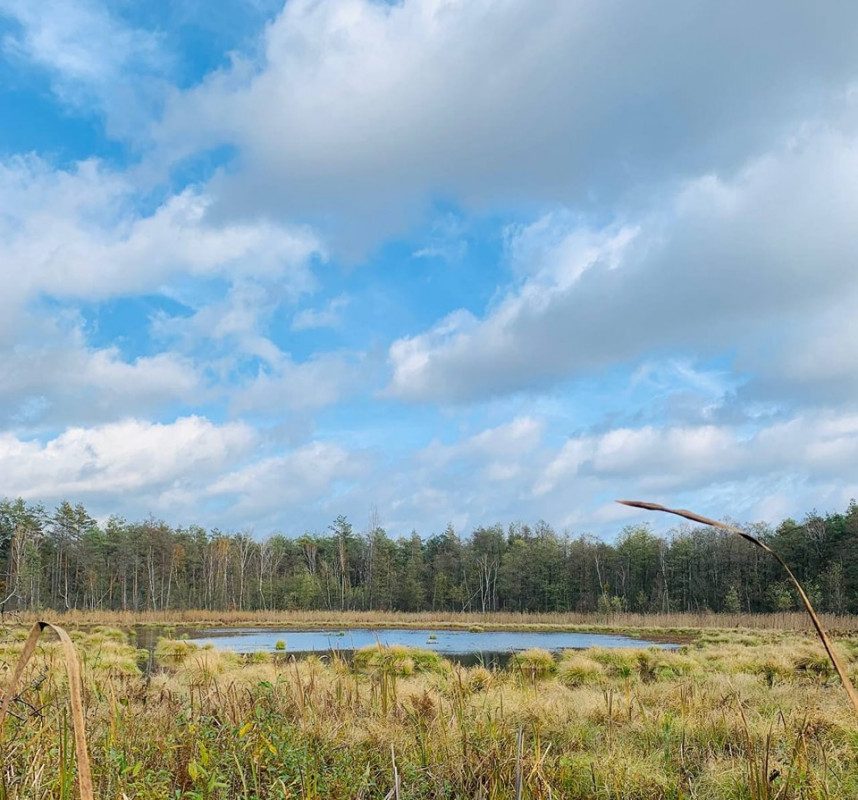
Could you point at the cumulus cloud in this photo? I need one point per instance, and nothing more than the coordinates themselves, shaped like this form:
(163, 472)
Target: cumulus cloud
(820, 444)
(258, 377)
(189, 469)
(771, 247)
(78, 40)
(130, 456)
(57, 379)
(289, 485)
(514, 471)
(287, 385)
(81, 233)
(229, 329)
(363, 111)
(477, 479)
(815, 359)
(493, 449)
(691, 181)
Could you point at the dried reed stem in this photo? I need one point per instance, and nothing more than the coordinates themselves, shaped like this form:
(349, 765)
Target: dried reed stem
(826, 643)
(84, 776)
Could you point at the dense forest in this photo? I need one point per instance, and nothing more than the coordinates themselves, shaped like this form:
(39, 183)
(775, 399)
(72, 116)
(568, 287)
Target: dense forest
(64, 560)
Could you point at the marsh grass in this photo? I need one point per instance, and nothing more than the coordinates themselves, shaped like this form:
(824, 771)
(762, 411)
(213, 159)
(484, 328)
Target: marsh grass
(75, 685)
(649, 624)
(533, 663)
(641, 724)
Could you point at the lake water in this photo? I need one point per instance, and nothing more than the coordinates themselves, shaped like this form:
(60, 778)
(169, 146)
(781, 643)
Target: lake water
(460, 645)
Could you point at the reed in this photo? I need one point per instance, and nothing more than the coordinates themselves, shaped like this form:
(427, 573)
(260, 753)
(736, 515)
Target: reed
(814, 618)
(84, 775)
(499, 620)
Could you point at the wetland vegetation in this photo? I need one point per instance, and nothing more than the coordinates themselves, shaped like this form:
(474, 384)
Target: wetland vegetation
(749, 706)
(740, 713)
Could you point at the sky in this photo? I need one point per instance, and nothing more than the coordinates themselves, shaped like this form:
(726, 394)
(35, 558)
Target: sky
(443, 261)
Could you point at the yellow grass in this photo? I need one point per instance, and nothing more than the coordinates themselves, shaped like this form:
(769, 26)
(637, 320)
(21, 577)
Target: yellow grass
(787, 621)
(745, 714)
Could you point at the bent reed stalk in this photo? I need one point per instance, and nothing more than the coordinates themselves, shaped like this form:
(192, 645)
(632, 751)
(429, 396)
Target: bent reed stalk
(826, 643)
(84, 775)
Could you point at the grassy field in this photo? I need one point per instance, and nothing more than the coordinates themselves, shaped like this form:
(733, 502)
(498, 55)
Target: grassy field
(753, 712)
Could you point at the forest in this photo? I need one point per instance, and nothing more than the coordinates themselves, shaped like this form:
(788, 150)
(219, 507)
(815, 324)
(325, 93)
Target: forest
(63, 560)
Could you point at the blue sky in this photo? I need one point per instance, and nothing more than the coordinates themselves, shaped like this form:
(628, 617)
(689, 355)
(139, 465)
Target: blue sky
(466, 261)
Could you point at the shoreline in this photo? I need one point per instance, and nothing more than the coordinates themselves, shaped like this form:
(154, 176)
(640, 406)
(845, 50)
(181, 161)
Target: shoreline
(684, 628)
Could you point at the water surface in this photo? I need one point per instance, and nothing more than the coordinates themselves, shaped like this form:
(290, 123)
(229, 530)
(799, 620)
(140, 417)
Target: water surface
(444, 642)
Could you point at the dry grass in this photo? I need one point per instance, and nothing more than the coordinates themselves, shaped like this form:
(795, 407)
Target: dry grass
(73, 670)
(747, 714)
(627, 622)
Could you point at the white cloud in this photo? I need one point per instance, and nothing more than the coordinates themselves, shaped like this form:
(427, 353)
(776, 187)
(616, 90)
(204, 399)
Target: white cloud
(59, 379)
(188, 470)
(288, 485)
(78, 40)
(229, 475)
(113, 461)
(364, 111)
(815, 358)
(95, 61)
(330, 316)
(709, 177)
(770, 249)
(81, 234)
(231, 334)
(480, 478)
(515, 471)
(815, 445)
(230, 328)
(492, 449)
(287, 385)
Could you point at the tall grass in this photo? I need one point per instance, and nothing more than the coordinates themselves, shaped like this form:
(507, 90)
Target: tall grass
(743, 714)
(500, 620)
(84, 776)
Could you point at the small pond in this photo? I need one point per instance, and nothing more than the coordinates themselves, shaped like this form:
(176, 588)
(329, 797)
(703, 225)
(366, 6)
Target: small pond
(461, 645)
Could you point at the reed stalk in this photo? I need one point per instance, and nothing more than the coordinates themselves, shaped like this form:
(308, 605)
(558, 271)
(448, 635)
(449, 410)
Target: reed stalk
(826, 642)
(84, 775)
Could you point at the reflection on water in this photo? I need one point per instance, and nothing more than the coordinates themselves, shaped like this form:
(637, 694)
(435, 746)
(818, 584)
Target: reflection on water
(467, 647)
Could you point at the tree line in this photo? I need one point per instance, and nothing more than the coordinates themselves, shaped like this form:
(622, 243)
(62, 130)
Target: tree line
(64, 560)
